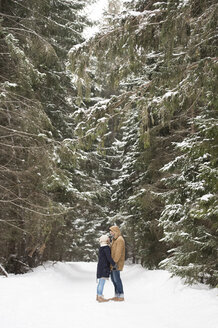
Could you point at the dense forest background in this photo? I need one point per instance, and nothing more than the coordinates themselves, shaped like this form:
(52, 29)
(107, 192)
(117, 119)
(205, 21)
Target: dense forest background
(117, 129)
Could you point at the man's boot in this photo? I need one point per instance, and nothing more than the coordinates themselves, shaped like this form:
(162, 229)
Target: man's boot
(117, 299)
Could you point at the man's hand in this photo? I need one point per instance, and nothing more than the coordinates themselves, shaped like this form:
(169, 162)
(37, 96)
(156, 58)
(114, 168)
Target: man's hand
(115, 267)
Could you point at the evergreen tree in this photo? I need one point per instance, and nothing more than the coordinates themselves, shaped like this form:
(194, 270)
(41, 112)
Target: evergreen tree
(35, 120)
(190, 215)
(149, 59)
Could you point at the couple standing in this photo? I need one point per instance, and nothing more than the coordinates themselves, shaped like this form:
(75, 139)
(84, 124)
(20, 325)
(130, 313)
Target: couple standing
(111, 261)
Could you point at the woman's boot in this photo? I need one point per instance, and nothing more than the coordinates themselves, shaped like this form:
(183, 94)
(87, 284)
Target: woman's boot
(101, 299)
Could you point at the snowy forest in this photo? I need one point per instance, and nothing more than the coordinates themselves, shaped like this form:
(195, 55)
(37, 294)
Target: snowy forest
(119, 128)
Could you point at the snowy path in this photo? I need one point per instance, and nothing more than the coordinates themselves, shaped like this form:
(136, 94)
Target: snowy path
(63, 296)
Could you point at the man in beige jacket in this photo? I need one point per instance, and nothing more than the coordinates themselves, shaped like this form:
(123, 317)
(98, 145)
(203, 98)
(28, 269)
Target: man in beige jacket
(118, 255)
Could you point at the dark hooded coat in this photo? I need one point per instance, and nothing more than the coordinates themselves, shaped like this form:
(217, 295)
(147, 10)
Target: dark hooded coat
(104, 262)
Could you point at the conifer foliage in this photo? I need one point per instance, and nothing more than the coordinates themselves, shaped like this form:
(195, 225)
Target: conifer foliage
(35, 97)
(157, 63)
(118, 129)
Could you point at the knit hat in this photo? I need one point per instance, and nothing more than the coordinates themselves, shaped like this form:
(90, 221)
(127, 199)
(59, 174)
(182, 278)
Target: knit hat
(103, 240)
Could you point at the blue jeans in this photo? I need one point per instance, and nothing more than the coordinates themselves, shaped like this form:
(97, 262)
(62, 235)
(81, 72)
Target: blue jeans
(100, 286)
(118, 286)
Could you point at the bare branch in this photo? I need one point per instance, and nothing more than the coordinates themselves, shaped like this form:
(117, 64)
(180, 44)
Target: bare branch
(3, 270)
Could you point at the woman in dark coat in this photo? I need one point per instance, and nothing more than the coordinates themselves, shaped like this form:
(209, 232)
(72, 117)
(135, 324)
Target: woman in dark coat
(103, 268)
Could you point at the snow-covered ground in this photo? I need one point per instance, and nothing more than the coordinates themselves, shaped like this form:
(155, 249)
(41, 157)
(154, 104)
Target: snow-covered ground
(63, 296)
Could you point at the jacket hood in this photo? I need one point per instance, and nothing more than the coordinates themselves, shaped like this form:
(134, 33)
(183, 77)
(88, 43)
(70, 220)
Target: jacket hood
(116, 231)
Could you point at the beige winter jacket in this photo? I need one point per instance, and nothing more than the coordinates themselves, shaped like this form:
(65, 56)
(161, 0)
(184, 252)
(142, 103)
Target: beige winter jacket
(118, 248)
